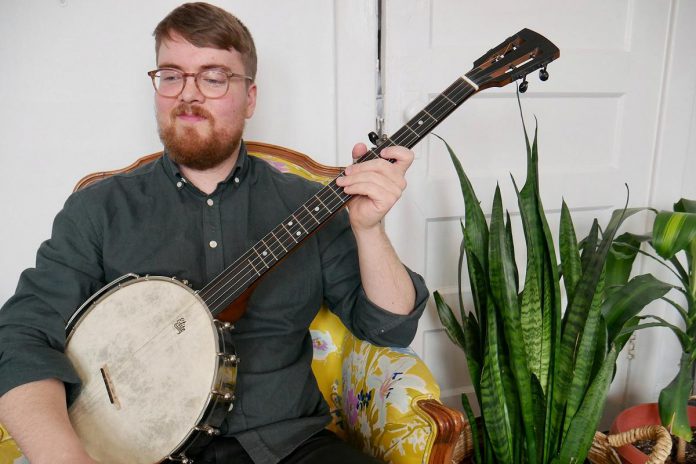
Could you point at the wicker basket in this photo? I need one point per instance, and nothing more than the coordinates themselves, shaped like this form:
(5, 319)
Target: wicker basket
(602, 450)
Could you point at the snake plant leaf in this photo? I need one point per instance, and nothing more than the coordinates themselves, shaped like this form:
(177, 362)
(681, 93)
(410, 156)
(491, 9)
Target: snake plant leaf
(674, 398)
(465, 336)
(673, 232)
(494, 404)
(570, 255)
(475, 220)
(504, 292)
(583, 424)
(449, 322)
(586, 355)
(575, 319)
(531, 321)
(630, 299)
(471, 418)
(588, 245)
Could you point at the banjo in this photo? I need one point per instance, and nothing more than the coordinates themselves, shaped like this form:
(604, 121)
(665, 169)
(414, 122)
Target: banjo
(156, 358)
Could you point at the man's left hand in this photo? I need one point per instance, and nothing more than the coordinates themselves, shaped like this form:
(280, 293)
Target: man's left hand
(376, 184)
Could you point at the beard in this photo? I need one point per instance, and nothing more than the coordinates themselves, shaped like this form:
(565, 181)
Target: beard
(187, 147)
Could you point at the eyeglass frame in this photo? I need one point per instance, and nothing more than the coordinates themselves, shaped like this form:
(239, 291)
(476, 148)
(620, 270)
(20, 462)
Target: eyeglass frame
(195, 75)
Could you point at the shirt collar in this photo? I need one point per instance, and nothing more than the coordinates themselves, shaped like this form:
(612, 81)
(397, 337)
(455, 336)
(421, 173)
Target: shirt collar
(235, 177)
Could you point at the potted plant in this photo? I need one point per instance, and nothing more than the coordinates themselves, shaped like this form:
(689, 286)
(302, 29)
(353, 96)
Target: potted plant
(540, 376)
(672, 244)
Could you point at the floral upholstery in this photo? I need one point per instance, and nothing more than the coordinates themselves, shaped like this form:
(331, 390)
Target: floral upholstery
(9, 453)
(372, 393)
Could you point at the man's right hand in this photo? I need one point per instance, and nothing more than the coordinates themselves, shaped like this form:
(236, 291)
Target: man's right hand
(36, 416)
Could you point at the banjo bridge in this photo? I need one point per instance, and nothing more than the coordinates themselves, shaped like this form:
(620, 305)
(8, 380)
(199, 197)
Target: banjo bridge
(109, 387)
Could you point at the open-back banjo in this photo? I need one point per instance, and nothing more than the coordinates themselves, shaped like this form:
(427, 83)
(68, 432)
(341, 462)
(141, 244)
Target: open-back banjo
(144, 342)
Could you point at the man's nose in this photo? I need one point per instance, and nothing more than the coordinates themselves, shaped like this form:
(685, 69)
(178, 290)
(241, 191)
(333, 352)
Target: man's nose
(191, 93)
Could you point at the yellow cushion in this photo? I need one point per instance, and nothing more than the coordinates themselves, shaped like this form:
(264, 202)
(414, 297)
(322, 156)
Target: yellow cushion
(9, 452)
(372, 393)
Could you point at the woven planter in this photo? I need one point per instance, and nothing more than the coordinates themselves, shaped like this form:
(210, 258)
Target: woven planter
(603, 450)
(639, 416)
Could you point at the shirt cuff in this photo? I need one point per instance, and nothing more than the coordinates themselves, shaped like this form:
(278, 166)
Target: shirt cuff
(21, 366)
(384, 328)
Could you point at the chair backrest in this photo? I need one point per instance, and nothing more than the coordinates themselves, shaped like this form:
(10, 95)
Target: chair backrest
(283, 159)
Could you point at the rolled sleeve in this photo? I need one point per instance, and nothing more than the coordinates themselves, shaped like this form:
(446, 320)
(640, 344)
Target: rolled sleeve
(32, 322)
(346, 297)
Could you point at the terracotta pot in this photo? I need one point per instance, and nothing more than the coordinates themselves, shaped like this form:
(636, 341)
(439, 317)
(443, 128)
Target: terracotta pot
(638, 416)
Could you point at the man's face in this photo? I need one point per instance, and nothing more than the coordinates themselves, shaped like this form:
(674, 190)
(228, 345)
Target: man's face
(200, 132)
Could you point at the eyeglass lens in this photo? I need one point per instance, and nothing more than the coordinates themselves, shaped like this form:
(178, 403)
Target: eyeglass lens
(211, 83)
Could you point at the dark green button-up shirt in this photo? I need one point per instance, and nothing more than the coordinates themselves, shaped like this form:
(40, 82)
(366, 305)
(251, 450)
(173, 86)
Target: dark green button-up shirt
(151, 221)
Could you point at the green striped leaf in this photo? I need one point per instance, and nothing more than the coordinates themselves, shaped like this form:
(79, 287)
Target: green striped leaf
(620, 260)
(570, 255)
(474, 429)
(674, 399)
(504, 292)
(673, 232)
(585, 356)
(575, 318)
(449, 322)
(531, 321)
(493, 397)
(583, 425)
(629, 300)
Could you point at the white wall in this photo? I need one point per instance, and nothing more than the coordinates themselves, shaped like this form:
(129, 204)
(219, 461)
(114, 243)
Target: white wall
(76, 98)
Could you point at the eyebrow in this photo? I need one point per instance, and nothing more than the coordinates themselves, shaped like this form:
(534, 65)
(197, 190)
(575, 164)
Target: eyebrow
(202, 68)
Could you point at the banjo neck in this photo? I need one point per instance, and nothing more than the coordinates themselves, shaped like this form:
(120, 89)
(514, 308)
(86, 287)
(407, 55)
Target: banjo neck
(513, 59)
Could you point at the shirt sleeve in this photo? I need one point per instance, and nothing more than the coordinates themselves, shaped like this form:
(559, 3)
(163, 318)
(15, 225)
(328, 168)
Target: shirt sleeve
(32, 322)
(346, 297)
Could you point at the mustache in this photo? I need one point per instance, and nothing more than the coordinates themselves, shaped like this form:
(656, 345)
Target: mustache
(187, 108)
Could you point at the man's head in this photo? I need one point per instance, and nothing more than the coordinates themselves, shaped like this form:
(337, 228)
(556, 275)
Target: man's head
(199, 131)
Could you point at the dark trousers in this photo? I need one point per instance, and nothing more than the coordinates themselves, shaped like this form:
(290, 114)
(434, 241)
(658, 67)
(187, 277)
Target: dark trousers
(321, 448)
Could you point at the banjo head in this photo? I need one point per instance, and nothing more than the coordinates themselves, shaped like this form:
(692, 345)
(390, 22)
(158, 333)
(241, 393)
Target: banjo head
(147, 353)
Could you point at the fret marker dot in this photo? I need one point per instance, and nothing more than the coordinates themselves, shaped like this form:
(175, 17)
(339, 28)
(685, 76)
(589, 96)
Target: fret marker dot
(316, 208)
(420, 123)
(264, 253)
(290, 223)
(299, 233)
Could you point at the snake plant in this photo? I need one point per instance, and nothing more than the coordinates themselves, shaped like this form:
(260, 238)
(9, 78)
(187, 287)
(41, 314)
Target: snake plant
(541, 375)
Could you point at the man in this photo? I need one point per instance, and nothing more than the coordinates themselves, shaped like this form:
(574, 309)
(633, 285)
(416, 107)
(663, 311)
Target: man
(190, 214)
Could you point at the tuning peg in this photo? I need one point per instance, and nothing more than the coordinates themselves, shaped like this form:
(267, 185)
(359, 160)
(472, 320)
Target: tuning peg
(524, 85)
(374, 138)
(543, 74)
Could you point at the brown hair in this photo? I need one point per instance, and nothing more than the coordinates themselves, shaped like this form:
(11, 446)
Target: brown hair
(205, 25)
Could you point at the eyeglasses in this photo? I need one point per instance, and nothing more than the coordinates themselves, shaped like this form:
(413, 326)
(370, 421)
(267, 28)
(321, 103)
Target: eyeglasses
(212, 83)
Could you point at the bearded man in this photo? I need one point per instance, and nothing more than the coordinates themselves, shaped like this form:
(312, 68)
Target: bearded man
(190, 214)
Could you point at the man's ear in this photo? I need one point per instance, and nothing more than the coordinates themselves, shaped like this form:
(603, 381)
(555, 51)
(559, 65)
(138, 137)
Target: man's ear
(251, 100)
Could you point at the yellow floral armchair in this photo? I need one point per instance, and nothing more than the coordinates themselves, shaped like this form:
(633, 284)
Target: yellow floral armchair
(383, 400)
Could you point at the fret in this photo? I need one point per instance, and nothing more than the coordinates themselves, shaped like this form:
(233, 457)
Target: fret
(281, 243)
(269, 249)
(311, 214)
(447, 98)
(252, 265)
(260, 255)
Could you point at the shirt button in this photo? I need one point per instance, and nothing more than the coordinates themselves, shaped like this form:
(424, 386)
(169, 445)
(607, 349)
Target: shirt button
(179, 184)
(213, 244)
(210, 202)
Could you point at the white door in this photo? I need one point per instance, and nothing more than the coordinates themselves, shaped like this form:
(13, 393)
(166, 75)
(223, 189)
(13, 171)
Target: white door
(598, 119)
(76, 98)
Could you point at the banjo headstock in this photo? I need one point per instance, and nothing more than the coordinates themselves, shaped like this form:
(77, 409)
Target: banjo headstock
(513, 59)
